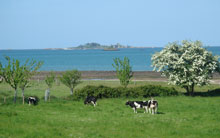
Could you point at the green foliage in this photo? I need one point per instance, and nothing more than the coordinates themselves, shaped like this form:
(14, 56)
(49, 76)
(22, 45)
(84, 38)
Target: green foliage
(109, 92)
(71, 79)
(1, 77)
(12, 73)
(123, 70)
(29, 70)
(16, 74)
(187, 64)
(50, 79)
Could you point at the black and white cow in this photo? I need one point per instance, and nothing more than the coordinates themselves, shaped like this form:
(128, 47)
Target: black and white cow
(90, 99)
(153, 106)
(138, 104)
(32, 100)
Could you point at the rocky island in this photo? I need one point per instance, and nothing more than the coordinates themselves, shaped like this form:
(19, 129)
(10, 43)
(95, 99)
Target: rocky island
(86, 46)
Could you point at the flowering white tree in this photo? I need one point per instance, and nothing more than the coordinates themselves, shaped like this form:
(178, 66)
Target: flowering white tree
(187, 64)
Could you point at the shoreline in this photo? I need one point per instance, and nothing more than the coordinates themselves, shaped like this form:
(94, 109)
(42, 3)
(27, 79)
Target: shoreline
(111, 75)
(102, 74)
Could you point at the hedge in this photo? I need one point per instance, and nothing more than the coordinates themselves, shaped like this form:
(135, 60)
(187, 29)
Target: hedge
(109, 92)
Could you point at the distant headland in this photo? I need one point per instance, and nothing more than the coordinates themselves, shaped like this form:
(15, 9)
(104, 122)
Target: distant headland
(86, 46)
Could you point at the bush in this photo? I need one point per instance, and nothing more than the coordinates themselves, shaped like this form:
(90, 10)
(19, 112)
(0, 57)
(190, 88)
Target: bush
(108, 92)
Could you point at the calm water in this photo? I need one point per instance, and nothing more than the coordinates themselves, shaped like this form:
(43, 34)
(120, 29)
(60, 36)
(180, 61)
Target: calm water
(59, 60)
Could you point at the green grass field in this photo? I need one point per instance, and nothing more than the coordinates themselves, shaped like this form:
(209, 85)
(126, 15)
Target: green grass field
(179, 116)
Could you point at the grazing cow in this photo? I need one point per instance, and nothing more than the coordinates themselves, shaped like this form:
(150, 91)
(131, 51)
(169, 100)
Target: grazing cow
(138, 104)
(32, 100)
(90, 99)
(152, 105)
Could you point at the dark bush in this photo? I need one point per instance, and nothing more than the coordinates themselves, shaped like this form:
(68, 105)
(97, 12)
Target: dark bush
(109, 92)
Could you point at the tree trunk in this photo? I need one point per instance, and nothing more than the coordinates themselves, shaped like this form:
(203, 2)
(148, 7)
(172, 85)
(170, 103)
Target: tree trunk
(57, 82)
(187, 89)
(23, 95)
(47, 94)
(5, 100)
(192, 90)
(15, 95)
(71, 91)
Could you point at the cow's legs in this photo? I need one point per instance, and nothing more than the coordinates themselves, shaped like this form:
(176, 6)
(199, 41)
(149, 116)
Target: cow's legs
(146, 110)
(93, 103)
(156, 110)
(135, 111)
(153, 110)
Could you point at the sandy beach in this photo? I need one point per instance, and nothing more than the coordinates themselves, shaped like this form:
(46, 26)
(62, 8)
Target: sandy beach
(104, 75)
(111, 75)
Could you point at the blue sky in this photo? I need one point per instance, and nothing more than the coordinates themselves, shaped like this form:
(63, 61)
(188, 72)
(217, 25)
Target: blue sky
(34, 24)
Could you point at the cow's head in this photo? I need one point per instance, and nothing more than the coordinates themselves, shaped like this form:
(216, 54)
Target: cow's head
(128, 103)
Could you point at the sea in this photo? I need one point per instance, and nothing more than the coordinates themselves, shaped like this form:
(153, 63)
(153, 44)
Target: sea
(88, 60)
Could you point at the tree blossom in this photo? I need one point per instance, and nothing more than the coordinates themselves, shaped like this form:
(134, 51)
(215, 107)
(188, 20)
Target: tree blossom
(186, 64)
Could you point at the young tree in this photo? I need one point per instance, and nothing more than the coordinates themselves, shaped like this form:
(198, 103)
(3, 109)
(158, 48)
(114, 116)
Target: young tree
(1, 80)
(12, 74)
(71, 79)
(187, 64)
(1, 77)
(49, 81)
(17, 75)
(123, 70)
(29, 69)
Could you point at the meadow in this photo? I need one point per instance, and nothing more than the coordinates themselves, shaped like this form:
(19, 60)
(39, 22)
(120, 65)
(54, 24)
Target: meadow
(178, 116)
